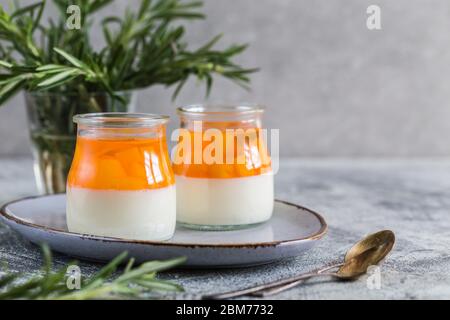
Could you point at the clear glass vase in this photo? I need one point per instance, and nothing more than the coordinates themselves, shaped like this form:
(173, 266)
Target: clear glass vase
(53, 133)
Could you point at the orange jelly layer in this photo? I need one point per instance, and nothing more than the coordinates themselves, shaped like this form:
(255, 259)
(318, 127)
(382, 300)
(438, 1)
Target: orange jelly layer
(121, 164)
(249, 157)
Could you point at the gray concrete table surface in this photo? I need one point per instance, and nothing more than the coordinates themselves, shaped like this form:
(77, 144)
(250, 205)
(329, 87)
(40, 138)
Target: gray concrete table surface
(410, 197)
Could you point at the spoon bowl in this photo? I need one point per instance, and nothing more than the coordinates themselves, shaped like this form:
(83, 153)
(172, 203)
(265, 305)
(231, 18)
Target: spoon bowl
(367, 252)
(382, 239)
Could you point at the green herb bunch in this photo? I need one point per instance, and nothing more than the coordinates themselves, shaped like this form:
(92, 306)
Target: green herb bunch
(131, 283)
(143, 47)
(63, 74)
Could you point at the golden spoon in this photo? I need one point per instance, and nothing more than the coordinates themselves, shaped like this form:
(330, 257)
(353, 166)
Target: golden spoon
(366, 252)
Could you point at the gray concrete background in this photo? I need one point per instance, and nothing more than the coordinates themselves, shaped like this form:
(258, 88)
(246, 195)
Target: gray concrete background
(333, 87)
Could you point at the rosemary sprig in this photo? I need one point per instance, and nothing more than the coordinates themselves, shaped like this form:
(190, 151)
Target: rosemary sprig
(143, 48)
(131, 283)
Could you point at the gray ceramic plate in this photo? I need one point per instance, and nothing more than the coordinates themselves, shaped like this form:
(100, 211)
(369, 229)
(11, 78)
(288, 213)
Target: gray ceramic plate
(291, 231)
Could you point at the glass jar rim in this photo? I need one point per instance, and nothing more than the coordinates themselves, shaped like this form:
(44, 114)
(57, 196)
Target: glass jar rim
(120, 119)
(221, 109)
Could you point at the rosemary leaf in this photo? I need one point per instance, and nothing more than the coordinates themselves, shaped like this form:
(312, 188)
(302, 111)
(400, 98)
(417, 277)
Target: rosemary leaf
(131, 283)
(145, 46)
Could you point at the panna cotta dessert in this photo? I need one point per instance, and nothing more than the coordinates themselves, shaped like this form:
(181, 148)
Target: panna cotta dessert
(121, 183)
(222, 168)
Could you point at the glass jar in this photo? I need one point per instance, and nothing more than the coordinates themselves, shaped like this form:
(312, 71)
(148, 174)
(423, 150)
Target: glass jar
(222, 168)
(121, 183)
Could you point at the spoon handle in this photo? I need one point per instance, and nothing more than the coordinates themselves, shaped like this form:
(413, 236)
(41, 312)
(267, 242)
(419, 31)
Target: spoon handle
(278, 289)
(270, 285)
(275, 290)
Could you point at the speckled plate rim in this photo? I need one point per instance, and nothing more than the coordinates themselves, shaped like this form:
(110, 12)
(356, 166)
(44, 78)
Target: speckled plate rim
(316, 236)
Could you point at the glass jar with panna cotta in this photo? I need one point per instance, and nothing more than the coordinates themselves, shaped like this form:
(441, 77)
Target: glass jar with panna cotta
(121, 182)
(222, 168)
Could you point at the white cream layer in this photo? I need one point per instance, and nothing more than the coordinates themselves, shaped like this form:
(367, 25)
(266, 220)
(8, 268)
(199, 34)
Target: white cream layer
(138, 215)
(234, 201)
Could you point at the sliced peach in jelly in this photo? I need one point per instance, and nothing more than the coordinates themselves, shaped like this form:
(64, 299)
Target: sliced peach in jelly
(241, 156)
(121, 164)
